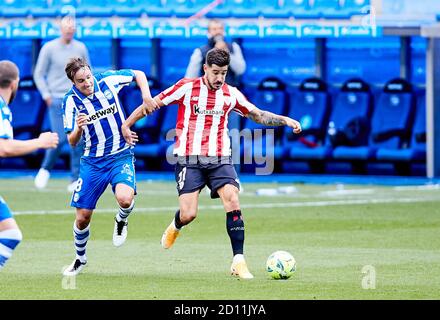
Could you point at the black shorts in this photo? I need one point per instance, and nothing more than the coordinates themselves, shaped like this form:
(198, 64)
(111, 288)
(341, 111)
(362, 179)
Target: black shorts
(195, 172)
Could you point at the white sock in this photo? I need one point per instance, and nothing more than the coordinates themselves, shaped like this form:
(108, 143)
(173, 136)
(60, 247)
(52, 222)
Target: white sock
(238, 258)
(123, 213)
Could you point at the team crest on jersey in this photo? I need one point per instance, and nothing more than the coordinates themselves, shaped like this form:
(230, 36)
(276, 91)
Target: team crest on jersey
(108, 94)
(127, 170)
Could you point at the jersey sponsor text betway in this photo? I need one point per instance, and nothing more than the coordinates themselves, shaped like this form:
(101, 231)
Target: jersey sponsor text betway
(101, 114)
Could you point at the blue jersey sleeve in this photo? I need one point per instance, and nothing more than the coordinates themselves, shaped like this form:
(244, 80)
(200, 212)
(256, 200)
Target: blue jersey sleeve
(117, 78)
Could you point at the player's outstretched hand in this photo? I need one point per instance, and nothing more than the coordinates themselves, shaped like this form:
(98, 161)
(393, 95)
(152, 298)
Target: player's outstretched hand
(149, 105)
(130, 137)
(48, 140)
(295, 125)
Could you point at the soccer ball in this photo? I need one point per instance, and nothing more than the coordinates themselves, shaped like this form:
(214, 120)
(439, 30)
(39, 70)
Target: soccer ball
(280, 265)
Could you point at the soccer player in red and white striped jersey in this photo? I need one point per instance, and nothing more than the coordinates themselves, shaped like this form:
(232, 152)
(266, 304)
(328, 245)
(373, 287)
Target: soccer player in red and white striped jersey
(203, 147)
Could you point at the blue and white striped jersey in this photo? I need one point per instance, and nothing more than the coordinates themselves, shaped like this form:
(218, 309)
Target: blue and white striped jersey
(102, 135)
(6, 131)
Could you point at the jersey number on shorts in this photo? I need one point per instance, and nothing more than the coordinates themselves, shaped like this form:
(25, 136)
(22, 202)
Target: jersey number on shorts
(182, 176)
(79, 185)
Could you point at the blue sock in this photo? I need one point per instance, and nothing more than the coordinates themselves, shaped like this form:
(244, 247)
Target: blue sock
(235, 228)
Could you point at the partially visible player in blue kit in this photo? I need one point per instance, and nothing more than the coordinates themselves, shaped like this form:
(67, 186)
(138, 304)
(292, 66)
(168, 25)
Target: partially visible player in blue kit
(92, 109)
(10, 234)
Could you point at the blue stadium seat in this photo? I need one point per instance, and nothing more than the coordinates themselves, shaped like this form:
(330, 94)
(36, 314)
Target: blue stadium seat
(53, 8)
(27, 110)
(300, 9)
(355, 7)
(181, 8)
(353, 101)
(390, 124)
(173, 69)
(218, 11)
(147, 127)
(416, 150)
(292, 61)
(269, 9)
(167, 122)
(311, 107)
(270, 96)
(19, 51)
(135, 54)
(241, 8)
(14, 9)
(154, 8)
(329, 9)
(125, 8)
(94, 8)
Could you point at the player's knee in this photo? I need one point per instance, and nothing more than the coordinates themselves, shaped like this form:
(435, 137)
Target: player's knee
(232, 201)
(124, 200)
(83, 220)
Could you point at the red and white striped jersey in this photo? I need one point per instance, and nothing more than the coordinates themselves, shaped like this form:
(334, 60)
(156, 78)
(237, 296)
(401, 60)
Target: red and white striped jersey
(202, 119)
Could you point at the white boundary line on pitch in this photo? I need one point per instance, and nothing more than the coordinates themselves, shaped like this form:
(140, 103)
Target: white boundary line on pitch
(245, 206)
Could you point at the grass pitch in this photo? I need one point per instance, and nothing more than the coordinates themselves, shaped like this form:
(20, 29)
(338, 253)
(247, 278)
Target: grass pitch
(357, 242)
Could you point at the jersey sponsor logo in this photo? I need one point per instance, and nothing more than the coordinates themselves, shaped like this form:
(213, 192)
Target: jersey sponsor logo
(101, 114)
(212, 112)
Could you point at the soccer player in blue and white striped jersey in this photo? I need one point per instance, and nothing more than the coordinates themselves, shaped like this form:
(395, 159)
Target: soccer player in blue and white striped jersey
(10, 234)
(92, 109)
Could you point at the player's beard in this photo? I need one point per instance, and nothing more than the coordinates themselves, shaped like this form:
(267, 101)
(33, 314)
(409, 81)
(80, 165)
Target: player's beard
(214, 85)
(13, 94)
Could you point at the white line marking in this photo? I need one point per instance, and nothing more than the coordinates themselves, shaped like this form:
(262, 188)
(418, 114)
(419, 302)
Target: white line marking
(246, 206)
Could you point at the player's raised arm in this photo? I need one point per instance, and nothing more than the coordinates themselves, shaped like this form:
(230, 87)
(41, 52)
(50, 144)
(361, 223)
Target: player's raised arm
(141, 111)
(271, 119)
(142, 82)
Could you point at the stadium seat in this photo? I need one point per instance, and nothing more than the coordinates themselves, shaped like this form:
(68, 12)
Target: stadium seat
(94, 8)
(353, 101)
(54, 8)
(27, 110)
(241, 8)
(390, 124)
(300, 9)
(311, 107)
(14, 9)
(155, 8)
(135, 54)
(218, 11)
(329, 9)
(416, 150)
(147, 127)
(268, 9)
(126, 8)
(355, 7)
(270, 96)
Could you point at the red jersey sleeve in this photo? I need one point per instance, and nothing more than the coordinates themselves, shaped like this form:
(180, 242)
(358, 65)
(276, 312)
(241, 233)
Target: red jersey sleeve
(242, 105)
(176, 92)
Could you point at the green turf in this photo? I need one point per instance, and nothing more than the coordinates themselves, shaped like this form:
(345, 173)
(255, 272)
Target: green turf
(331, 235)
